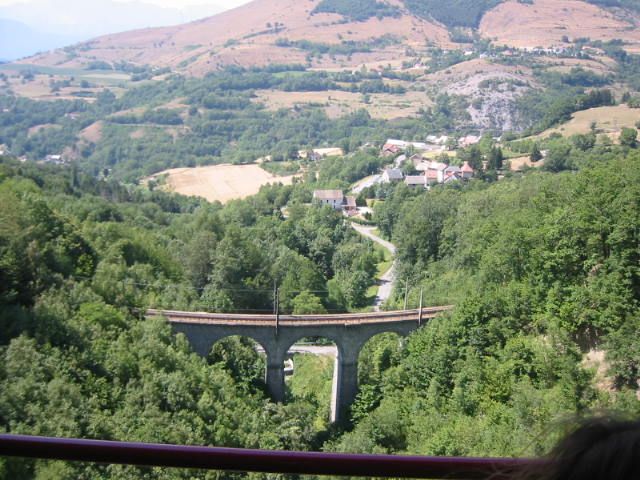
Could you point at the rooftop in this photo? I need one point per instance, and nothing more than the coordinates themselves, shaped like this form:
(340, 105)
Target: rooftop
(414, 179)
(328, 195)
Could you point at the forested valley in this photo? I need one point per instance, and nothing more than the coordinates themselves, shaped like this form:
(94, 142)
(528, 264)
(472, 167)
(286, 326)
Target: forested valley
(542, 268)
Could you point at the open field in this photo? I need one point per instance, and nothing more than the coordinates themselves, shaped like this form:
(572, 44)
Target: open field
(601, 66)
(93, 133)
(220, 182)
(608, 120)
(41, 128)
(519, 163)
(40, 88)
(337, 103)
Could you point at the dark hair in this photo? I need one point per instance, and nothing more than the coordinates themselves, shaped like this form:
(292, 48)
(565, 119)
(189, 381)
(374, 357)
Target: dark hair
(600, 448)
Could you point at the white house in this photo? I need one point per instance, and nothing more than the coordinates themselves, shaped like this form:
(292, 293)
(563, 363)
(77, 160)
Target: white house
(334, 198)
(435, 140)
(393, 143)
(55, 159)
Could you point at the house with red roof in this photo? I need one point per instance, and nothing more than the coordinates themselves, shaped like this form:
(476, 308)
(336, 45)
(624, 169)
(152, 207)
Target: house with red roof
(467, 170)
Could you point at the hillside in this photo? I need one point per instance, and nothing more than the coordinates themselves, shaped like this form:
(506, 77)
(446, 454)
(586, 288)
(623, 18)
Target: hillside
(548, 23)
(334, 34)
(248, 35)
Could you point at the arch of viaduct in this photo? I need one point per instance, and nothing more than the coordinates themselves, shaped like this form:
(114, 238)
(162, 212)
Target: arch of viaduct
(277, 333)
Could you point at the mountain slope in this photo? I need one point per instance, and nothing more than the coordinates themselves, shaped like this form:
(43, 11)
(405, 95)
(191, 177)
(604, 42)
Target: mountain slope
(545, 22)
(248, 34)
(265, 32)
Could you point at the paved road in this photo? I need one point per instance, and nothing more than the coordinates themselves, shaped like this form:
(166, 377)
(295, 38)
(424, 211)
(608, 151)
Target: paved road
(366, 182)
(387, 279)
(324, 350)
(368, 232)
(321, 350)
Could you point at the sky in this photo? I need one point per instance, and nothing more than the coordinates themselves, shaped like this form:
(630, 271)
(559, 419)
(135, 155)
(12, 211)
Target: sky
(161, 3)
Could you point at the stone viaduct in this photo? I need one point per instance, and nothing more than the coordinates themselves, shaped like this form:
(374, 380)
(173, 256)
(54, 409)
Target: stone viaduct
(277, 333)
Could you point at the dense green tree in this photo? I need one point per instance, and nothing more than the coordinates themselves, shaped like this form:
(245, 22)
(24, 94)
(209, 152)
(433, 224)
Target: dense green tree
(629, 137)
(558, 158)
(307, 303)
(535, 155)
(495, 158)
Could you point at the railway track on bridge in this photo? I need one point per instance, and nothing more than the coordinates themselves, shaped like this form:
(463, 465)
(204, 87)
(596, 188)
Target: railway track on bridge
(176, 316)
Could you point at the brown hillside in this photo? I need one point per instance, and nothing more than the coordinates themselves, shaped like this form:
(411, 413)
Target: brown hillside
(246, 36)
(545, 22)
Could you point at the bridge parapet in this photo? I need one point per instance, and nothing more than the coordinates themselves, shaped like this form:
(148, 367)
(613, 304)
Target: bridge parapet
(175, 316)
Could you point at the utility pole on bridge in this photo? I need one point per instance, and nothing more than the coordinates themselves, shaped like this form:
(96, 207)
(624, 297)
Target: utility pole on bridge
(276, 305)
(406, 293)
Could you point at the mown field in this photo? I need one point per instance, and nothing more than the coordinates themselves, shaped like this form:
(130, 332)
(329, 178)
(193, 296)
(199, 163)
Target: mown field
(220, 182)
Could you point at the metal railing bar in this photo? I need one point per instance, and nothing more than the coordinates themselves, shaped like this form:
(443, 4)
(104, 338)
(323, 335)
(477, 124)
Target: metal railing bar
(266, 461)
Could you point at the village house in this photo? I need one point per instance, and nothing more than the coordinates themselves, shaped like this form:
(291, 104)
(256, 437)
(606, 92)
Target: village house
(320, 153)
(431, 177)
(413, 181)
(390, 150)
(452, 169)
(435, 140)
(417, 159)
(468, 140)
(336, 200)
(394, 146)
(433, 170)
(433, 173)
(333, 198)
(392, 175)
(311, 155)
(55, 159)
(452, 174)
(467, 170)
(349, 206)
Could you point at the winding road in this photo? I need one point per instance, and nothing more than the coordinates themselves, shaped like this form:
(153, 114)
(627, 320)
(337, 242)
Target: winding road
(388, 277)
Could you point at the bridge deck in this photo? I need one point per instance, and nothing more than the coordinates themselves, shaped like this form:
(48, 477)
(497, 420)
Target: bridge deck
(175, 316)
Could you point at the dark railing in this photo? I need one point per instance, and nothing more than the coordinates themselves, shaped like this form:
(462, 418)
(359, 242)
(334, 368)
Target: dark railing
(242, 460)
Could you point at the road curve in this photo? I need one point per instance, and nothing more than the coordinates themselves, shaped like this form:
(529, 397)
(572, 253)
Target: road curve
(388, 277)
(368, 232)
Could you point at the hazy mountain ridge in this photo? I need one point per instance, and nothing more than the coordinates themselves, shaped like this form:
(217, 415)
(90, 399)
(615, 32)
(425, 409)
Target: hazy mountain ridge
(19, 40)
